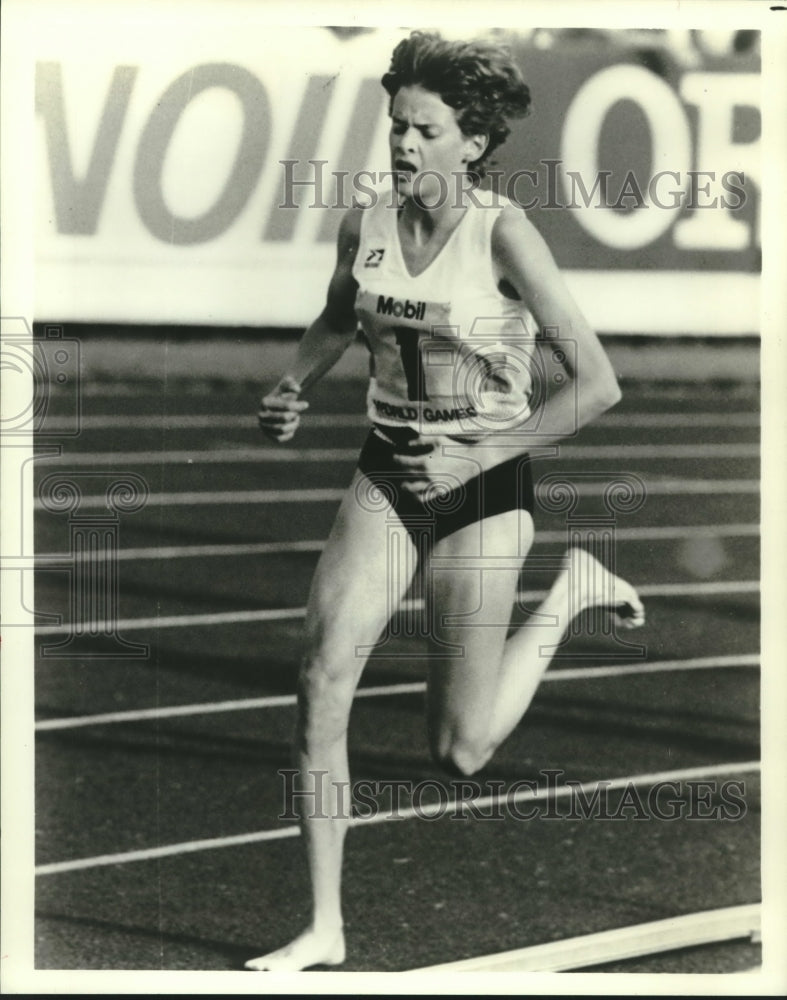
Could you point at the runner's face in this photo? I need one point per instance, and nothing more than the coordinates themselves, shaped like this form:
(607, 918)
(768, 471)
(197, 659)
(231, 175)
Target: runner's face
(426, 145)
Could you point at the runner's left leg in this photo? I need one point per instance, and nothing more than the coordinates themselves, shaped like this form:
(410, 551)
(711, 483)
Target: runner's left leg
(480, 682)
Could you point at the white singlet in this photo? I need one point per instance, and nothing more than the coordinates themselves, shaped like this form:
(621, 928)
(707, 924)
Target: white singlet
(449, 353)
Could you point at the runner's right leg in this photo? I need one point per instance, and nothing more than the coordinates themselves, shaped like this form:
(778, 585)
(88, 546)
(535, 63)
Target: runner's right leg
(353, 594)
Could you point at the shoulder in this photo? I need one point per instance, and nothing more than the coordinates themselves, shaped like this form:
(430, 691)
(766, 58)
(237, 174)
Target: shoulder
(350, 226)
(518, 248)
(349, 233)
(512, 229)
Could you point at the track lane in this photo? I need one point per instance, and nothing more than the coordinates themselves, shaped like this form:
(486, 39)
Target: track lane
(583, 728)
(511, 884)
(203, 905)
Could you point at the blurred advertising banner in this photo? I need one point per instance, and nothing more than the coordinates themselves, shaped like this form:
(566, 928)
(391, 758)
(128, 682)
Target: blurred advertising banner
(194, 169)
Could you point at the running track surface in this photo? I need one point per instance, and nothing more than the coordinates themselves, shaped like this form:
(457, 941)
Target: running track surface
(227, 593)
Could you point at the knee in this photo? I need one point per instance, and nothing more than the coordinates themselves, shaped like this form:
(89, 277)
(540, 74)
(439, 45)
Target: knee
(462, 758)
(325, 695)
(326, 660)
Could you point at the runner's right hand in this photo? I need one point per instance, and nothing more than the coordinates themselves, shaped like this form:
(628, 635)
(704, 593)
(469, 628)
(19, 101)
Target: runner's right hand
(280, 410)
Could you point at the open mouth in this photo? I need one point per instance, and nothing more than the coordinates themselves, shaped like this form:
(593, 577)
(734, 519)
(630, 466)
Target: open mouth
(404, 167)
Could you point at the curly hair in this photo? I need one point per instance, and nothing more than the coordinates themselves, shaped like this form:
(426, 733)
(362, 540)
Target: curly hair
(479, 81)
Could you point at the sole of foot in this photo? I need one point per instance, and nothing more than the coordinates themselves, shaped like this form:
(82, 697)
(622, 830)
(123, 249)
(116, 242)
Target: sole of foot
(592, 585)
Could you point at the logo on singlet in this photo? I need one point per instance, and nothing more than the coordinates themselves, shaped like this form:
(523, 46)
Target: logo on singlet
(374, 258)
(395, 307)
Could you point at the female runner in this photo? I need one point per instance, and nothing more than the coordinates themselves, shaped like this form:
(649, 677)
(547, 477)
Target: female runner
(444, 279)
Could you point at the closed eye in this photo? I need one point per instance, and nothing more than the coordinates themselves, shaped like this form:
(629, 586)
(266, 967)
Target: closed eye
(399, 127)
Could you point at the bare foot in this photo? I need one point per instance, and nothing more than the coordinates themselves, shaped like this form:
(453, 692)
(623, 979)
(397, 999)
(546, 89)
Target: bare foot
(309, 948)
(592, 585)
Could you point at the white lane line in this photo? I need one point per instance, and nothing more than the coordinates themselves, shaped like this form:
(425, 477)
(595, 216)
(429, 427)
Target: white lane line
(388, 690)
(700, 589)
(195, 456)
(693, 589)
(209, 498)
(654, 487)
(644, 534)
(186, 847)
(690, 930)
(586, 789)
(232, 421)
(294, 456)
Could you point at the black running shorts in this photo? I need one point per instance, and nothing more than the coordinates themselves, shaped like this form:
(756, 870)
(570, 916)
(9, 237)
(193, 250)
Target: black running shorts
(507, 486)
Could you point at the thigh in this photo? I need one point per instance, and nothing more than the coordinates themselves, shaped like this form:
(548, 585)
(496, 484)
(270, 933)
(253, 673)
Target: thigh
(363, 573)
(472, 585)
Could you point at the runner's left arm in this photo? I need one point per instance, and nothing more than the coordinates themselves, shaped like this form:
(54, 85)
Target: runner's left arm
(523, 259)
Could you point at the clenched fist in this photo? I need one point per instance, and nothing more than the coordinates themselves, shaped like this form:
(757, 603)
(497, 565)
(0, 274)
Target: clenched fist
(280, 410)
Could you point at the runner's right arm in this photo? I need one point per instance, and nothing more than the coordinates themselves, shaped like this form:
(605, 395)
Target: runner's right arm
(323, 343)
